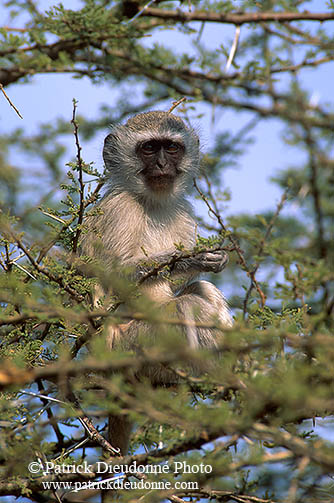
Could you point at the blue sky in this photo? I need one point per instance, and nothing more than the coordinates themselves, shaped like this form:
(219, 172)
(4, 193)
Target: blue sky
(47, 97)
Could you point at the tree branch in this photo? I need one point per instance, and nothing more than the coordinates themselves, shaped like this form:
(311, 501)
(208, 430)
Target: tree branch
(80, 179)
(261, 250)
(237, 19)
(10, 102)
(214, 210)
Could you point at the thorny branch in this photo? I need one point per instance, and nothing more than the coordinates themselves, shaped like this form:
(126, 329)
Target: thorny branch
(226, 496)
(89, 427)
(260, 251)
(54, 424)
(45, 272)
(9, 101)
(74, 47)
(42, 314)
(294, 447)
(212, 206)
(12, 375)
(322, 119)
(177, 256)
(80, 179)
(176, 104)
(90, 200)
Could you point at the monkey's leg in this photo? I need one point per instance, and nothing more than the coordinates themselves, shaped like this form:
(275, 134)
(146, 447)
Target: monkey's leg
(119, 431)
(202, 302)
(119, 426)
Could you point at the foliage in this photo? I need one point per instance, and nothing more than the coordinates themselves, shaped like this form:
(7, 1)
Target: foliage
(255, 424)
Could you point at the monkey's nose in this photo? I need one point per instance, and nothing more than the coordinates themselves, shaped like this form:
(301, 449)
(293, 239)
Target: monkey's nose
(161, 160)
(161, 165)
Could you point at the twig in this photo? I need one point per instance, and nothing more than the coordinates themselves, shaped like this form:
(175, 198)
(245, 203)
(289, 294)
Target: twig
(89, 427)
(10, 102)
(55, 426)
(306, 62)
(296, 445)
(83, 419)
(173, 259)
(45, 272)
(214, 210)
(176, 104)
(261, 249)
(10, 374)
(81, 341)
(96, 436)
(312, 39)
(81, 184)
(9, 28)
(176, 499)
(72, 449)
(225, 496)
(33, 7)
(45, 314)
(67, 225)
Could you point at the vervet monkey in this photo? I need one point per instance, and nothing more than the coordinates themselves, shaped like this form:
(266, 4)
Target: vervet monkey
(151, 162)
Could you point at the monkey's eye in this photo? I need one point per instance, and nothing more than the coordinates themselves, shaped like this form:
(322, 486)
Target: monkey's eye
(172, 147)
(149, 147)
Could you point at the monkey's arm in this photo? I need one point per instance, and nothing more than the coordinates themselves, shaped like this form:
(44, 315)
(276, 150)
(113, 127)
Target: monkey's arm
(176, 262)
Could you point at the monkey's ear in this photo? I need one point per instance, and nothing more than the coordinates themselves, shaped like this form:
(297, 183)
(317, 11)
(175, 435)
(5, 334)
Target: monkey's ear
(109, 141)
(109, 148)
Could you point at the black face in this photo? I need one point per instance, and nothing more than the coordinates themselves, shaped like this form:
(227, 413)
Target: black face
(161, 160)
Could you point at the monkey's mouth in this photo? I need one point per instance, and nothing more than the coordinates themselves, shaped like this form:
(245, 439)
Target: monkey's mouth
(160, 182)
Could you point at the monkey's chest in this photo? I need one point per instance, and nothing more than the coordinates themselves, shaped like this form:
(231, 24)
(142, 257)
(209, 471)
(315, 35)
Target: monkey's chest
(158, 245)
(154, 240)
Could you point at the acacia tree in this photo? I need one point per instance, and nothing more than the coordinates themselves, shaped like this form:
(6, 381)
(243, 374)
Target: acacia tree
(246, 429)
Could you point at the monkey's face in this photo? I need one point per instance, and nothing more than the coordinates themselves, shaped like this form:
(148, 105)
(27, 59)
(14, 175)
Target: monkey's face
(154, 156)
(161, 159)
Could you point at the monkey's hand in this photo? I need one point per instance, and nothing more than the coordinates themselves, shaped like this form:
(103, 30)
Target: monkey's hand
(165, 264)
(209, 261)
